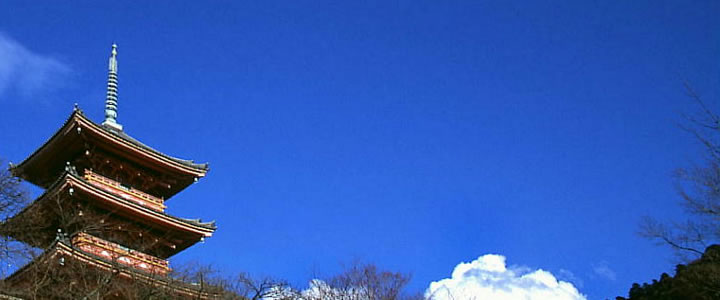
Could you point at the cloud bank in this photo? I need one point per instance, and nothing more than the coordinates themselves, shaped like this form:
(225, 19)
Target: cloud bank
(488, 278)
(26, 72)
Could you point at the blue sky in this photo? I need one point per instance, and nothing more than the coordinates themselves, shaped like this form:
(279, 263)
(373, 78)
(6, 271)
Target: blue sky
(414, 134)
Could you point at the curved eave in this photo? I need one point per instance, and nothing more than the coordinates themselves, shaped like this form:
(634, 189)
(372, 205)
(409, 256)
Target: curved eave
(180, 165)
(18, 170)
(124, 144)
(127, 208)
(138, 210)
(65, 248)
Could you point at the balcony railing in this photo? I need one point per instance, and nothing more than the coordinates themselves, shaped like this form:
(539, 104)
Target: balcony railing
(124, 192)
(122, 255)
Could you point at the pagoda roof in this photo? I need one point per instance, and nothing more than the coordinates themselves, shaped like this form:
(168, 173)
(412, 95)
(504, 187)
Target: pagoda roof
(63, 246)
(186, 231)
(44, 165)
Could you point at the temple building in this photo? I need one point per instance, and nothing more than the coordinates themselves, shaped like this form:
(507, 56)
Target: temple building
(101, 219)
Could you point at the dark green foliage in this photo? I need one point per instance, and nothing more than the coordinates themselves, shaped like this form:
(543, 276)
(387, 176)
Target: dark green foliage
(699, 280)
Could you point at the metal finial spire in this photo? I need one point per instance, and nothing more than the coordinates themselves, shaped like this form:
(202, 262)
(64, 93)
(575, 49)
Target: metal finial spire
(112, 92)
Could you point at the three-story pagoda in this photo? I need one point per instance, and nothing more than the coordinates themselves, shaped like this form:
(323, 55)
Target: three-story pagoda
(103, 208)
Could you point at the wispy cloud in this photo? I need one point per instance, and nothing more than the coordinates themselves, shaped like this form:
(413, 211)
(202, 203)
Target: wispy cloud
(603, 270)
(567, 275)
(488, 277)
(26, 72)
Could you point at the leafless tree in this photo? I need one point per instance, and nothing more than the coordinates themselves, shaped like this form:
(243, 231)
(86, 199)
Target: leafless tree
(252, 288)
(13, 198)
(699, 189)
(359, 282)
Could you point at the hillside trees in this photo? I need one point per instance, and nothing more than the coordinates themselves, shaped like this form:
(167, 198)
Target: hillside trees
(698, 280)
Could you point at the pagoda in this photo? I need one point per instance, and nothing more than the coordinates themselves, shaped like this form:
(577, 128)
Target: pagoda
(101, 218)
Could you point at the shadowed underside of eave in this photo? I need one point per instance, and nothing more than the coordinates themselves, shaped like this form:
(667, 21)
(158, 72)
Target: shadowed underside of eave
(61, 254)
(79, 134)
(42, 217)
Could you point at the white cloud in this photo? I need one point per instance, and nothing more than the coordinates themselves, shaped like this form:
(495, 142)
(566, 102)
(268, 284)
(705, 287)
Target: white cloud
(488, 278)
(27, 72)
